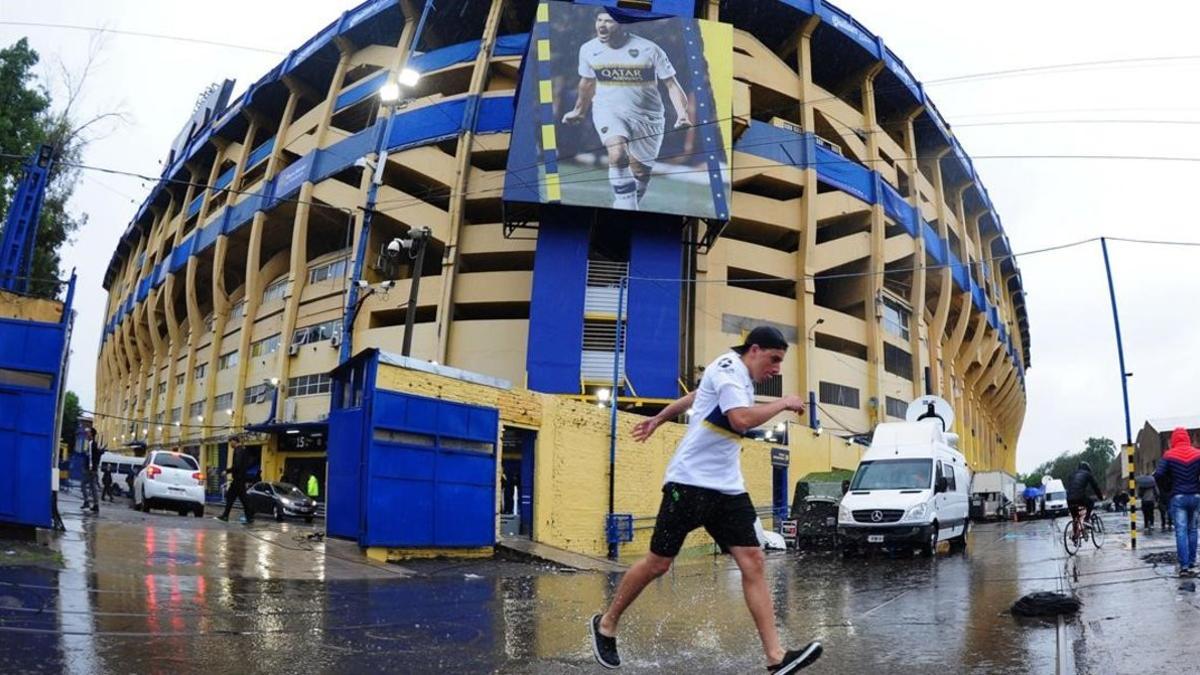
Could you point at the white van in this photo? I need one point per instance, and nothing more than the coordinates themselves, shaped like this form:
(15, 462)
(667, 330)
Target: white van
(911, 487)
(121, 467)
(1056, 498)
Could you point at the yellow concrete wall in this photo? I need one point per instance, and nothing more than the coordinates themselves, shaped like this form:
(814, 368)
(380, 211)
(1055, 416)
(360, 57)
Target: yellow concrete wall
(13, 306)
(571, 460)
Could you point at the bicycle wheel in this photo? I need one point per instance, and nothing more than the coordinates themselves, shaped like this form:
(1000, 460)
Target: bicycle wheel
(1097, 530)
(1070, 540)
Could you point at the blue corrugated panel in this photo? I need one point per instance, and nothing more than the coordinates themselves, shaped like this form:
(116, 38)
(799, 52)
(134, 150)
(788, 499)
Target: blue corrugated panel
(429, 124)
(179, 255)
(958, 272)
(194, 207)
(344, 153)
(207, 235)
(160, 274)
(897, 207)
(773, 143)
(652, 354)
(143, 290)
(361, 90)
(241, 213)
(226, 178)
(260, 153)
(845, 175)
(495, 115)
(556, 302)
(934, 245)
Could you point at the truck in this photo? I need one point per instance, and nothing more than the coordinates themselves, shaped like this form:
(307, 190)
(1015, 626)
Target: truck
(993, 495)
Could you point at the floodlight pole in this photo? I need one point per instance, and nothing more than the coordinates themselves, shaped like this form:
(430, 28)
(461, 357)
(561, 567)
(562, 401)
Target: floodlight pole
(1127, 449)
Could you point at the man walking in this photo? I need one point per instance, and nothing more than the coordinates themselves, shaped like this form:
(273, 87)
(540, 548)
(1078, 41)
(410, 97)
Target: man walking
(1181, 466)
(703, 487)
(1147, 493)
(237, 482)
(91, 479)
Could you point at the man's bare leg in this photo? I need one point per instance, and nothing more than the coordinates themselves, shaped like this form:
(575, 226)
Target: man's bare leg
(635, 580)
(752, 563)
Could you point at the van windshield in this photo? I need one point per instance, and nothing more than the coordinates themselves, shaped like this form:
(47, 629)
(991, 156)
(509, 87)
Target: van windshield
(893, 474)
(1057, 496)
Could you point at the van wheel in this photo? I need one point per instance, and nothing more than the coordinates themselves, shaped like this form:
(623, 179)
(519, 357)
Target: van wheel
(959, 543)
(929, 548)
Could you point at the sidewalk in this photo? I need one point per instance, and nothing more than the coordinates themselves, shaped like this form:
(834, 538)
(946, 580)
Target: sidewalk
(1137, 616)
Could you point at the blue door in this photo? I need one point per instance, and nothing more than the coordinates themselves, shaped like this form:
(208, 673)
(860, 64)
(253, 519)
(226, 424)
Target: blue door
(430, 473)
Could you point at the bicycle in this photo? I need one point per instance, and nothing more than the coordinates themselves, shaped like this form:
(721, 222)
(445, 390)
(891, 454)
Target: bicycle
(1079, 530)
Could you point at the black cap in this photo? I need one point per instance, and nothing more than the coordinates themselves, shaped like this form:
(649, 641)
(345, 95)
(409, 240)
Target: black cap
(766, 337)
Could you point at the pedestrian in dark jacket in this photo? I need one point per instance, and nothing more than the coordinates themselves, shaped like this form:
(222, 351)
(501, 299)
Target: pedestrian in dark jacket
(107, 482)
(1147, 492)
(1079, 486)
(91, 479)
(237, 482)
(1181, 466)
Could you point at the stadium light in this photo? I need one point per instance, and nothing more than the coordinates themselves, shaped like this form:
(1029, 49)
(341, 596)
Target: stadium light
(390, 92)
(409, 77)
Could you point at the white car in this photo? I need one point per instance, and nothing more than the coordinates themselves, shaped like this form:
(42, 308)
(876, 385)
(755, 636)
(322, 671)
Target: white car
(170, 480)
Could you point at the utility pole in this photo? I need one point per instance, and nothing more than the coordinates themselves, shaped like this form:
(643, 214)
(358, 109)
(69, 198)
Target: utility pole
(416, 241)
(1125, 375)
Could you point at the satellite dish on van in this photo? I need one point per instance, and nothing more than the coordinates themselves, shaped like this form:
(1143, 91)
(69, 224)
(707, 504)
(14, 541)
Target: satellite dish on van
(928, 407)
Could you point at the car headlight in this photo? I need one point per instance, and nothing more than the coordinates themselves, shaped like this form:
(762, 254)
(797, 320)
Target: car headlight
(844, 514)
(917, 513)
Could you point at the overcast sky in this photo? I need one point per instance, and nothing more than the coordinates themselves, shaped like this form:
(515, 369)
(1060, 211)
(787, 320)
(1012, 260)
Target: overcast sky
(1074, 385)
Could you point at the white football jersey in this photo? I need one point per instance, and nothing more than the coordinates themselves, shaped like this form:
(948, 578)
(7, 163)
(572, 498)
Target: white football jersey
(626, 77)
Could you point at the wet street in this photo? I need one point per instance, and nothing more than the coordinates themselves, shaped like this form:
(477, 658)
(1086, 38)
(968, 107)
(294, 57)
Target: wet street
(163, 593)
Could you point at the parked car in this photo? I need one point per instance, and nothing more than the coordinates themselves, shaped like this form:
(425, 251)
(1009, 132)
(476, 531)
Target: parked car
(281, 499)
(169, 480)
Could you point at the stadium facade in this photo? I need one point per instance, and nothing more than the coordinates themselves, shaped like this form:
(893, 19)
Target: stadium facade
(857, 225)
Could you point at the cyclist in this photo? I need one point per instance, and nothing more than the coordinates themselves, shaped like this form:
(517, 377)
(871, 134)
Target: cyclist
(1078, 485)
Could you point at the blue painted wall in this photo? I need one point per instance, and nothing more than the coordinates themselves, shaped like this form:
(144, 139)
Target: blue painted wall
(556, 304)
(652, 355)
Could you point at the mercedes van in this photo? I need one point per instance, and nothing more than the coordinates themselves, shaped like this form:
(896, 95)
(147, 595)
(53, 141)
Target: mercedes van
(1056, 498)
(910, 489)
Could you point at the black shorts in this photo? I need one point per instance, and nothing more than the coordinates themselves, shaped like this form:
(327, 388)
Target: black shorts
(728, 519)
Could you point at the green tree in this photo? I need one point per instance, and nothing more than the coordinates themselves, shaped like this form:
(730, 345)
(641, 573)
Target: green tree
(29, 118)
(70, 418)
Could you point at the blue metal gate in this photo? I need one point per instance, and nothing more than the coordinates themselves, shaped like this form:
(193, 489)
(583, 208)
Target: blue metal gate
(409, 471)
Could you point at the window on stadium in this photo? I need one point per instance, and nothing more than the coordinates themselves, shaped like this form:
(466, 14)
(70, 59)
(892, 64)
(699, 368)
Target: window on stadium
(839, 394)
(317, 332)
(265, 346)
(275, 290)
(330, 270)
(308, 385)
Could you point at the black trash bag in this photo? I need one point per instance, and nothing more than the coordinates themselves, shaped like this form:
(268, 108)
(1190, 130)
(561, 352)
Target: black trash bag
(1046, 603)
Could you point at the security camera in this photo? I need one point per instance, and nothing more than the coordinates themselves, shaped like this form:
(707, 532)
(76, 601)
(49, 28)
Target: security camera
(362, 283)
(388, 285)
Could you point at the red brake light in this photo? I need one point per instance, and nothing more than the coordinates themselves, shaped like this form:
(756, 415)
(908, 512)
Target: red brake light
(152, 471)
(199, 477)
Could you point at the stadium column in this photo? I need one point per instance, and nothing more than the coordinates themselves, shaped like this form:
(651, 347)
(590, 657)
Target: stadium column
(219, 299)
(251, 292)
(916, 297)
(298, 259)
(176, 332)
(806, 314)
(950, 375)
(873, 285)
(941, 314)
(254, 256)
(967, 357)
(462, 170)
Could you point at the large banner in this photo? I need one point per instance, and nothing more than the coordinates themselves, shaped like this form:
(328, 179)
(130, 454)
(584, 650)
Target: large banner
(624, 115)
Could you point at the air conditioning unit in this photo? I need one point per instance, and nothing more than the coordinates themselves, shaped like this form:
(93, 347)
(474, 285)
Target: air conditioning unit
(293, 349)
(829, 145)
(289, 410)
(335, 341)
